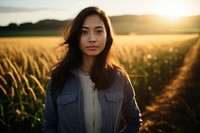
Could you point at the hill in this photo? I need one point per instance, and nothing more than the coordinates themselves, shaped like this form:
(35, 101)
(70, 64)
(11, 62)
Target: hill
(125, 24)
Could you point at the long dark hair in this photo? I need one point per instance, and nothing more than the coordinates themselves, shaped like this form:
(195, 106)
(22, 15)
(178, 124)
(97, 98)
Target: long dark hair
(103, 71)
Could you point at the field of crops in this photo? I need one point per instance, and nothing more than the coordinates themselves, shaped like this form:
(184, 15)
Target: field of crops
(150, 60)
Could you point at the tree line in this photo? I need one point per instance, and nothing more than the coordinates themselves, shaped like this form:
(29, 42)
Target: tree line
(125, 24)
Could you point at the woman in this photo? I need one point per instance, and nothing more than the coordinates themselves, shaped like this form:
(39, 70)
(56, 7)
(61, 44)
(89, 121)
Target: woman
(87, 93)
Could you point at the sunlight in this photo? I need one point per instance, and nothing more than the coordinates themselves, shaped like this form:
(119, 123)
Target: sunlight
(172, 10)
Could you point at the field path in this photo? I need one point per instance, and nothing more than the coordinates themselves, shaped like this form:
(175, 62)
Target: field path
(178, 108)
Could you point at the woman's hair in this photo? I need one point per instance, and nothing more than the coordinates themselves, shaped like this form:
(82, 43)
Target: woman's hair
(103, 71)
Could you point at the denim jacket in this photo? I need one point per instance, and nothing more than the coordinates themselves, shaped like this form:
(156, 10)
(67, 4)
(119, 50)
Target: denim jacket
(116, 103)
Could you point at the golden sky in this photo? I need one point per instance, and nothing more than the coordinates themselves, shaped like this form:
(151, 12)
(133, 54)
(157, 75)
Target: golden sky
(20, 11)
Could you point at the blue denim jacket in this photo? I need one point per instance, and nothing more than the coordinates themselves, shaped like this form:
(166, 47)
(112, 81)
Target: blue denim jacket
(116, 102)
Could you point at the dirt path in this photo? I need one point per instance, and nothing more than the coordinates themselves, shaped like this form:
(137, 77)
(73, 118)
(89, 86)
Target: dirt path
(177, 110)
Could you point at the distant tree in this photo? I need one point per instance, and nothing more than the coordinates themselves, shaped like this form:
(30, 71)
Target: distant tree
(12, 26)
(26, 26)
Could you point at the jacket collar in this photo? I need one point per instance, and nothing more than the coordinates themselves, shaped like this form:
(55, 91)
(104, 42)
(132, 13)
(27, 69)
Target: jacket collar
(74, 72)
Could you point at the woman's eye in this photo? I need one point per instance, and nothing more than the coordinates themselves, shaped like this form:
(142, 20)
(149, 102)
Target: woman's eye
(99, 31)
(84, 32)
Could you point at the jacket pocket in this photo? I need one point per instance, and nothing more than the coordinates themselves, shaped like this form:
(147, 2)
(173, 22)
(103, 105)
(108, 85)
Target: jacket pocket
(114, 97)
(114, 102)
(66, 99)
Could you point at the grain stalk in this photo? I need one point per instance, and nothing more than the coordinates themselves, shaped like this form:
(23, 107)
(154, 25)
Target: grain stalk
(38, 84)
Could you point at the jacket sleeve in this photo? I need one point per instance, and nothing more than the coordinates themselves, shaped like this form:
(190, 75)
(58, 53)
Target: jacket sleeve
(50, 115)
(131, 112)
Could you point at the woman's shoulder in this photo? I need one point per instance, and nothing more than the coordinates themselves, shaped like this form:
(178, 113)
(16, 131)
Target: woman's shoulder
(121, 73)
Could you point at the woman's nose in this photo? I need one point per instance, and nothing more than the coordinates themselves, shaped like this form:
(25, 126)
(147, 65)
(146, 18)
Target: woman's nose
(92, 38)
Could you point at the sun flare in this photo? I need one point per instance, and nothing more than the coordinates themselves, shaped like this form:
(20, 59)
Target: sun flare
(172, 10)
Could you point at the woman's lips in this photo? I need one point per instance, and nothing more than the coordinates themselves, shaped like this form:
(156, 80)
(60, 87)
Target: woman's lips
(92, 47)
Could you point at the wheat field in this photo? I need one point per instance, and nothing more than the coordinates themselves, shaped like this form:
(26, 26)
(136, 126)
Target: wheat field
(150, 60)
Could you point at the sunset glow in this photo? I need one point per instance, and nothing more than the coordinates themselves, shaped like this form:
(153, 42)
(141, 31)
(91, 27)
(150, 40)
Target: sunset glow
(172, 10)
(22, 11)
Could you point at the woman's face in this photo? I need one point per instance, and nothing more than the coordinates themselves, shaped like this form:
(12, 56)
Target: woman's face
(93, 36)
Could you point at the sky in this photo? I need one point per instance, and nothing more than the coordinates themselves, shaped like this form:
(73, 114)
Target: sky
(21, 11)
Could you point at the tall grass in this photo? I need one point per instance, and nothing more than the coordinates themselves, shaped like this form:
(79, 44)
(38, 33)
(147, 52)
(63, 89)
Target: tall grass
(151, 61)
(177, 109)
(25, 62)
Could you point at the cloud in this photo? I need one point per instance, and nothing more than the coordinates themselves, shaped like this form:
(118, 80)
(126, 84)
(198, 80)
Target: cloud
(7, 9)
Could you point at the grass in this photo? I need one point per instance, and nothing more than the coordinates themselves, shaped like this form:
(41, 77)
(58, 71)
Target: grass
(22, 33)
(150, 60)
(177, 109)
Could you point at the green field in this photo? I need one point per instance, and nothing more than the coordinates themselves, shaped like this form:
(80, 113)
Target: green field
(150, 60)
(23, 33)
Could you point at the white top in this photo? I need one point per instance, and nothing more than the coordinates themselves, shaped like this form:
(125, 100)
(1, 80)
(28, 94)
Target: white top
(92, 108)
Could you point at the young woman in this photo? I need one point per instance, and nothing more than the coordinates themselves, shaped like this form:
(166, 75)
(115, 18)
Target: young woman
(87, 93)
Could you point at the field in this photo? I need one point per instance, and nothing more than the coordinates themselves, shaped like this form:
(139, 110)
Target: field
(23, 33)
(150, 60)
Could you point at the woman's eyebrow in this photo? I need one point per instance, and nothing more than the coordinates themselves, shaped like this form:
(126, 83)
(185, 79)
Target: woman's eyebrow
(97, 27)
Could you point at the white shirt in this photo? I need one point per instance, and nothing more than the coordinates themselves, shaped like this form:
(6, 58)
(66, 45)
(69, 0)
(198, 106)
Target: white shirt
(92, 108)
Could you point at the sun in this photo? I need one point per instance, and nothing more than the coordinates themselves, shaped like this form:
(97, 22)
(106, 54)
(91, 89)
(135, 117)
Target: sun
(172, 9)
